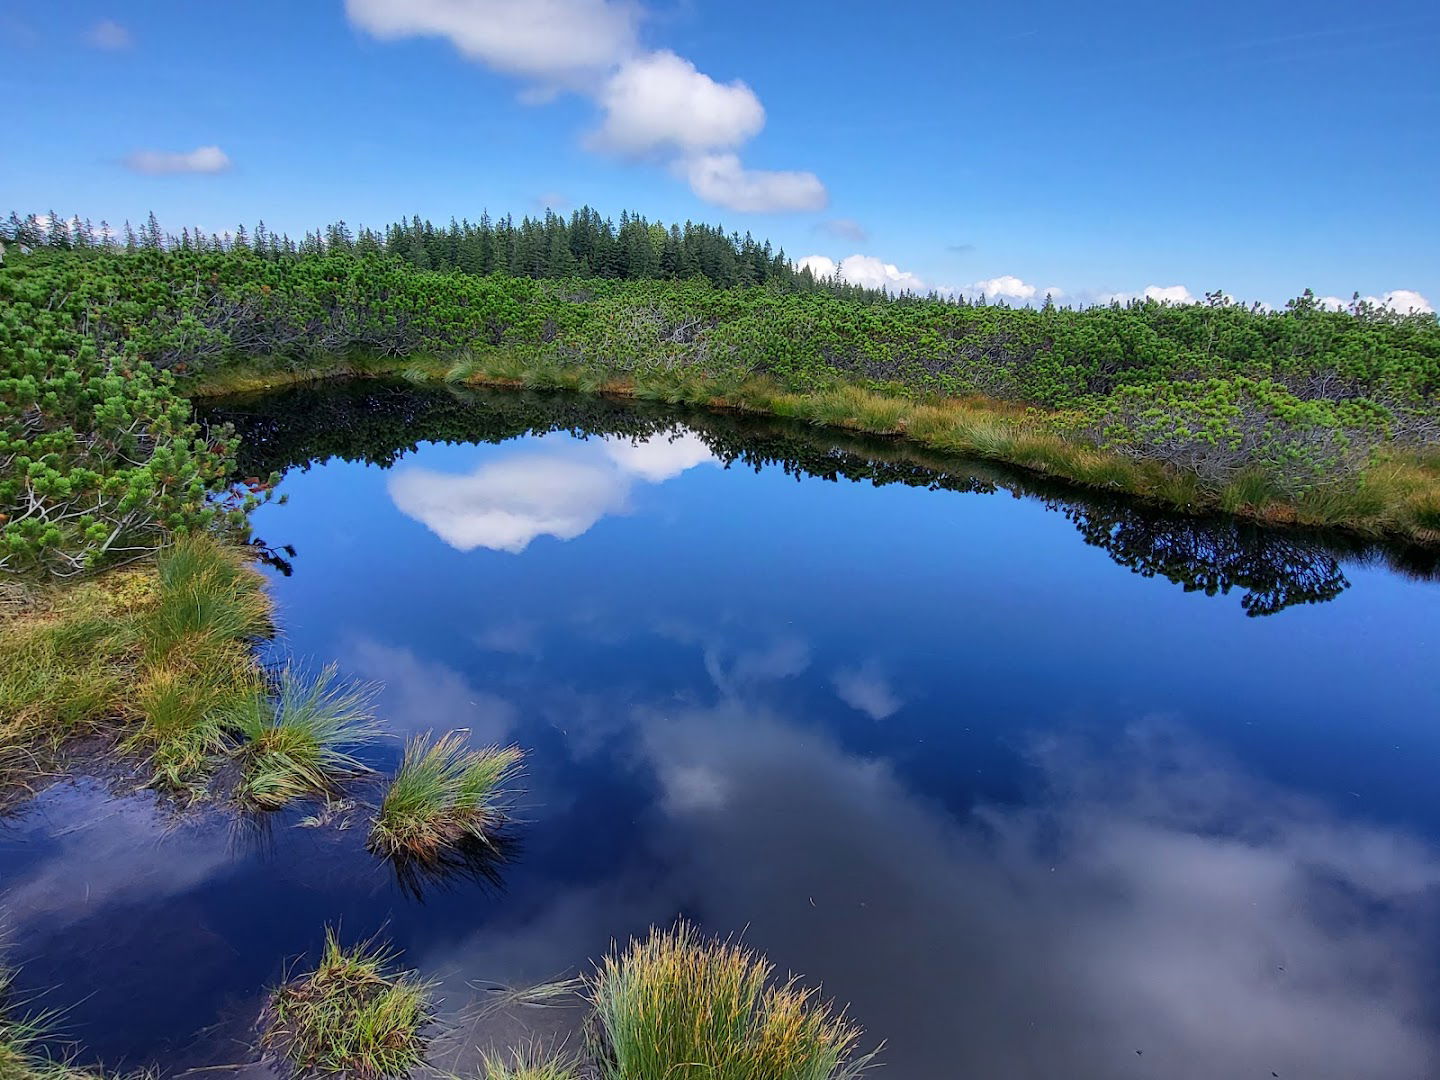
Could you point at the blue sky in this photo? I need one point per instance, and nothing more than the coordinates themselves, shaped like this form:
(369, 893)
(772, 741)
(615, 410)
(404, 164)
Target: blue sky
(1096, 149)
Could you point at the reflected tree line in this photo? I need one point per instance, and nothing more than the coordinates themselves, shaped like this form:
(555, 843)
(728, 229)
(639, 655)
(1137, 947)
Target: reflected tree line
(377, 422)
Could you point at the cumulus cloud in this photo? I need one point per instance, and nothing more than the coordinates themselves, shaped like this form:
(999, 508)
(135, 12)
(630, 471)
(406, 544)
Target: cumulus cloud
(203, 159)
(564, 42)
(109, 35)
(505, 505)
(863, 270)
(1405, 301)
(652, 103)
(1169, 294)
(662, 101)
(659, 458)
(721, 179)
(1004, 287)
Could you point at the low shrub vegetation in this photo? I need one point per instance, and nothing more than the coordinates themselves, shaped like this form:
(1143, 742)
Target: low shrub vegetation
(355, 1015)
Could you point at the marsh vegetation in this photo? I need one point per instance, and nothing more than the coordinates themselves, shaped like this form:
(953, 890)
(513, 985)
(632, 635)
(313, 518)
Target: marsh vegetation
(154, 668)
(356, 1014)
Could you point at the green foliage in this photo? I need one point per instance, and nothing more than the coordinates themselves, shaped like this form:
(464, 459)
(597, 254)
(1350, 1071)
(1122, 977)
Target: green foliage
(99, 457)
(353, 1016)
(677, 1005)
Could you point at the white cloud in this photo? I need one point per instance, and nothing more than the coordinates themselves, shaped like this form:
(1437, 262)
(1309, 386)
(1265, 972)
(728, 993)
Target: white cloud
(109, 35)
(661, 100)
(505, 505)
(203, 159)
(652, 102)
(1405, 301)
(864, 270)
(721, 179)
(568, 42)
(1004, 287)
(1169, 294)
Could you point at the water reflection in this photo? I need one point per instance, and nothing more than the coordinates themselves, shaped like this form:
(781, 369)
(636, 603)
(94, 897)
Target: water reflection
(555, 489)
(471, 861)
(1151, 912)
(562, 492)
(1145, 908)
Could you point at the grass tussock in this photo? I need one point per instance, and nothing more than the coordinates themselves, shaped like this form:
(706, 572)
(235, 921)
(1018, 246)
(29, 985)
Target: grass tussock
(355, 1015)
(25, 1036)
(443, 796)
(300, 744)
(677, 1005)
(530, 1063)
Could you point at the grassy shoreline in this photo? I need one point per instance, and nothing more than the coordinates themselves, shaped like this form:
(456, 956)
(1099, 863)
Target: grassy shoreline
(1396, 497)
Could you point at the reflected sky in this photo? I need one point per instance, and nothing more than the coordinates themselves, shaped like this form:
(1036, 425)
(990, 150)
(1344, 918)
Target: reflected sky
(1030, 813)
(553, 487)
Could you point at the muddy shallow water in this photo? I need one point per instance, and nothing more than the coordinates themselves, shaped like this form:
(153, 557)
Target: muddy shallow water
(1040, 785)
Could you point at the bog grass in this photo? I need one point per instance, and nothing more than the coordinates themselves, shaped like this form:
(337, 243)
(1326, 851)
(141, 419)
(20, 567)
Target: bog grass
(158, 662)
(443, 795)
(24, 1038)
(677, 1005)
(356, 1015)
(300, 744)
(530, 1063)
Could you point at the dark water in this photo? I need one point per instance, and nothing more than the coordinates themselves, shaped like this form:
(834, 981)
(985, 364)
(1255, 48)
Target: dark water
(1042, 787)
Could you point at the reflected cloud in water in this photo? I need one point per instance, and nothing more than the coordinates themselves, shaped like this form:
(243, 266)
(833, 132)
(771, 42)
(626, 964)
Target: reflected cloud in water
(1150, 898)
(107, 851)
(560, 491)
(867, 689)
(419, 695)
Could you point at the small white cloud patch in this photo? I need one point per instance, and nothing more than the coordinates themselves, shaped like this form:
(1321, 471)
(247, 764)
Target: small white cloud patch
(203, 159)
(109, 35)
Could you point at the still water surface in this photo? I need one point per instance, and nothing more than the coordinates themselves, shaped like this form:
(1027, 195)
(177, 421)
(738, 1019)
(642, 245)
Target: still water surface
(1040, 786)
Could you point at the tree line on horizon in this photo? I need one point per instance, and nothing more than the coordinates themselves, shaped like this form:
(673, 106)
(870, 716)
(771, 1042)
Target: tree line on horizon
(552, 246)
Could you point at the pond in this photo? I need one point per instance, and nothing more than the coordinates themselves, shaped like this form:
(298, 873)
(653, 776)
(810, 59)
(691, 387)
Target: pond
(1040, 784)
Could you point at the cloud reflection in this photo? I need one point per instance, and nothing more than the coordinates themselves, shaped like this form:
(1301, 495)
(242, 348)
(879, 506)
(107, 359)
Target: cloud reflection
(1150, 898)
(420, 695)
(866, 689)
(561, 490)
